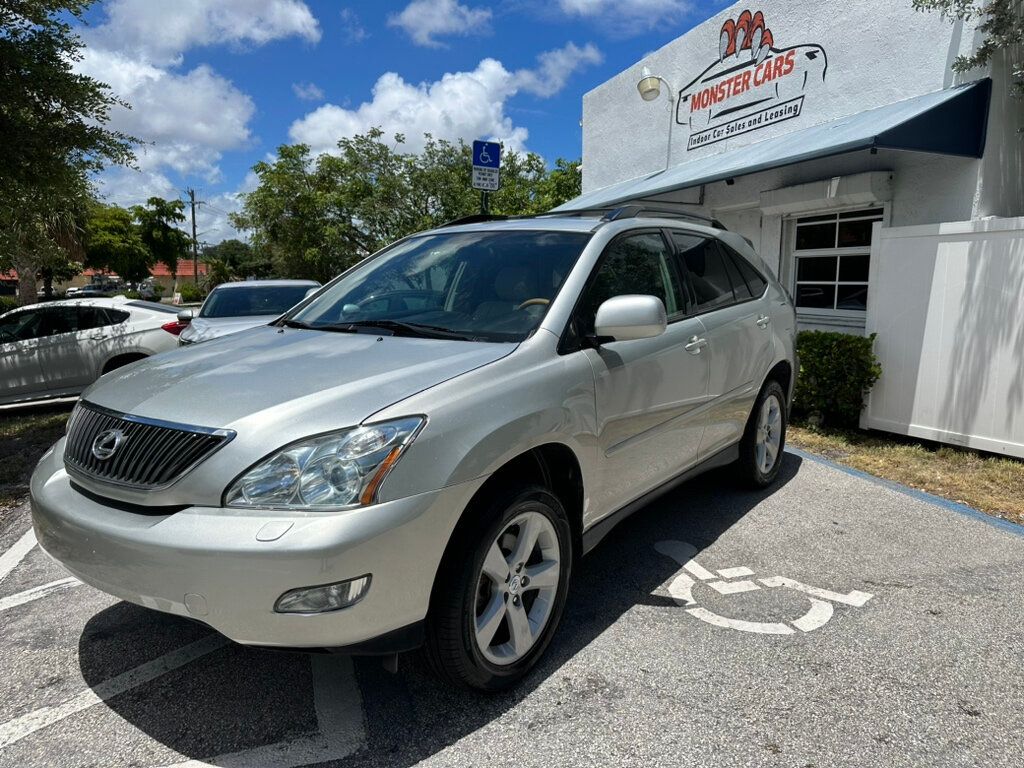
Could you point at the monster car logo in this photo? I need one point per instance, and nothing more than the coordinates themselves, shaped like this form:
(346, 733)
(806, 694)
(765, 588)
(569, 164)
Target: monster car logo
(752, 84)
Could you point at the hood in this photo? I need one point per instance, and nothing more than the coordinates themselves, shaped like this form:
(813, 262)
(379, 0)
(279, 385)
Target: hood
(287, 379)
(206, 328)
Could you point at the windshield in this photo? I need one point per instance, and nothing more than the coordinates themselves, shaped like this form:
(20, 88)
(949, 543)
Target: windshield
(243, 300)
(486, 286)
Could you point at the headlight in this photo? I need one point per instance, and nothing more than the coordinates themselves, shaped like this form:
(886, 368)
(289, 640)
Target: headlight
(333, 471)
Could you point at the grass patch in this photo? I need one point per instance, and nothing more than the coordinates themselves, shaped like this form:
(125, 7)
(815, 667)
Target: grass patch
(24, 437)
(992, 484)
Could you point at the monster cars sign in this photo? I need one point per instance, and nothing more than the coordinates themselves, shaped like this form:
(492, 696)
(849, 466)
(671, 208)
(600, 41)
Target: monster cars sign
(750, 85)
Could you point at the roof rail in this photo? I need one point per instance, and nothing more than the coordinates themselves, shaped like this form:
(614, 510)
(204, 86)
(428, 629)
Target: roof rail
(635, 211)
(475, 219)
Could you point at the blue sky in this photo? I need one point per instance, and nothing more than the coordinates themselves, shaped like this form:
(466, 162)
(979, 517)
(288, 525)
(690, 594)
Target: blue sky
(217, 85)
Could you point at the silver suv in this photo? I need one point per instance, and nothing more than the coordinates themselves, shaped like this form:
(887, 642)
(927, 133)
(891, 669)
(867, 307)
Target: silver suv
(419, 453)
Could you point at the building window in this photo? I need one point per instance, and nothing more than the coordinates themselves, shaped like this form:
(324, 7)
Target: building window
(833, 253)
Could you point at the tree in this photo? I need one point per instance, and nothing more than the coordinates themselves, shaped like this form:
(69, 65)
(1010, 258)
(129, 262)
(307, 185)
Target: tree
(52, 121)
(217, 272)
(313, 217)
(113, 242)
(240, 257)
(156, 221)
(1002, 24)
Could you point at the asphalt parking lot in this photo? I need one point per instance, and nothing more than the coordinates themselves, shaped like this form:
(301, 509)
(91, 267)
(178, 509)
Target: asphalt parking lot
(834, 621)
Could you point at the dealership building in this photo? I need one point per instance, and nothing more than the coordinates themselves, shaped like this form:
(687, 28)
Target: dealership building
(883, 189)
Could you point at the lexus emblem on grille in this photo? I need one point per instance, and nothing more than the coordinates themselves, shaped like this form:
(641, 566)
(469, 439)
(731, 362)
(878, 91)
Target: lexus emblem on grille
(106, 443)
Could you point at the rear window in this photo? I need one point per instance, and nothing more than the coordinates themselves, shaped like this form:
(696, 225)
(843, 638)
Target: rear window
(245, 301)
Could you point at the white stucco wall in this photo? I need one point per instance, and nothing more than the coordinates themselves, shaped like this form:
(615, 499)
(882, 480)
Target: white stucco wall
(877, 52)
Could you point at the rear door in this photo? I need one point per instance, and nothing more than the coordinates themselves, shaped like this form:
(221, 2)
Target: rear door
(739, 339)
(649, 392)
(62, 354)
(99, 338)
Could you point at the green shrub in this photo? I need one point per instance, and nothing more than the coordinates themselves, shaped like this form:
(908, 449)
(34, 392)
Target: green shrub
(190, 293)
(837, 370)
(7, 303)
(132, 295)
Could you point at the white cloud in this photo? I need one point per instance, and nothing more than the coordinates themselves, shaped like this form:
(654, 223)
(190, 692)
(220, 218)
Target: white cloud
(425, 20)
(554, 68)
(352, 30)
(308, 91)
(161, 31)
(186, 119)
(461, 105)
(628, 17)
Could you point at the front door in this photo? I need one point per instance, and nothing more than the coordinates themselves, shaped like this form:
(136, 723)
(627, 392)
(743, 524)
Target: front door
(20, 372)
(649, 392)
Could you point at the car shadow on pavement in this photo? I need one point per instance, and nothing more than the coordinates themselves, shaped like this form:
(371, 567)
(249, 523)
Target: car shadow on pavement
(237, 698)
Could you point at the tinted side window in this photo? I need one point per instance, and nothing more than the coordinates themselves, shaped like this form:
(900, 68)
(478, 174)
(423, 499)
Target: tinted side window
(59, 320)
(754, 281)
(706, 270)
(739, 285)
(633, 264)
(20, 326)
(115, 316)
(91, 317)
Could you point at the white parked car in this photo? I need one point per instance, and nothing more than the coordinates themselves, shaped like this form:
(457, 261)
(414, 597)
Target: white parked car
(234, 307)
(58, 349)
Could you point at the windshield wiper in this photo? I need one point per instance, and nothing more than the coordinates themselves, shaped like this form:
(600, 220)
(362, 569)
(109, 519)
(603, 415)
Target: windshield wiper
(400, 329)
(297, 324)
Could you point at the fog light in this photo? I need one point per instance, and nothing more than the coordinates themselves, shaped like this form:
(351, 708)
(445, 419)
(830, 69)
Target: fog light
(328, 597)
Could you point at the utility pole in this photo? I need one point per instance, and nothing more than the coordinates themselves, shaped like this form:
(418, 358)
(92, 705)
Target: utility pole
(195, 242)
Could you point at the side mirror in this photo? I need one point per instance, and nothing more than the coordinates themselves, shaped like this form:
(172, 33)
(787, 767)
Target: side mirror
(185, 316)
(624, 318)
(309, 293)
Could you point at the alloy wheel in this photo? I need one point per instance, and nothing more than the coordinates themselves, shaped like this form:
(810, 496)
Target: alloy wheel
(516, 588)
(769, 434)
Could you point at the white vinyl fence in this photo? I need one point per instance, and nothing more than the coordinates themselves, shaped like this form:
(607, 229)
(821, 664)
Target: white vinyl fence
(947, 303)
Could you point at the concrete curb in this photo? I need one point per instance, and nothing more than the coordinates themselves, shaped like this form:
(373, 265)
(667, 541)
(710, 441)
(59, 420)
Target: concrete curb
(962, 509)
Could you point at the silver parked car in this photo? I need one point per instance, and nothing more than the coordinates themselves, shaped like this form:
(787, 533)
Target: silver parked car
(58, 349)
(233, 307)
(420, 453)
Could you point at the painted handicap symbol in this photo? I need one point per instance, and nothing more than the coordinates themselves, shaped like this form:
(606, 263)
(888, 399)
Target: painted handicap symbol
(731, 581)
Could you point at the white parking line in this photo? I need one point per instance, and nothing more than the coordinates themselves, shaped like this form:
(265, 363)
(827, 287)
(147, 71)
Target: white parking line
(855, 598)
(339, 713)
(17, 729)
(35, 593)
(9, 560)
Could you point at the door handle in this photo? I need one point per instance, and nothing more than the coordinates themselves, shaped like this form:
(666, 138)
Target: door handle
(695, 345)
(763, 321)
(98, 336)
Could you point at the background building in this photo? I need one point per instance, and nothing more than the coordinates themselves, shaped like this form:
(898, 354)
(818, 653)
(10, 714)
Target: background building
(881, 188)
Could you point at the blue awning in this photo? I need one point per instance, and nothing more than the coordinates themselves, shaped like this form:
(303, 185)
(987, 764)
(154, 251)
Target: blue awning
(948, 122)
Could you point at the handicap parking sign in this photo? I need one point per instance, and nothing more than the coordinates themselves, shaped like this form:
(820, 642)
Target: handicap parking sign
(486, 154)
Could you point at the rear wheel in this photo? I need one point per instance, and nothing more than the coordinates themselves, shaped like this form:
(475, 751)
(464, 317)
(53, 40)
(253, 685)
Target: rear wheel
(495, 611)
(765, 437)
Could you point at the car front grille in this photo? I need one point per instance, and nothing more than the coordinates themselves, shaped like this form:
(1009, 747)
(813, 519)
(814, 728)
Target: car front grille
(149, 454)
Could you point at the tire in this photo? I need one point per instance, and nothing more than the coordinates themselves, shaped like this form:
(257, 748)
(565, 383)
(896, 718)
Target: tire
(479, 584)
(758, 464)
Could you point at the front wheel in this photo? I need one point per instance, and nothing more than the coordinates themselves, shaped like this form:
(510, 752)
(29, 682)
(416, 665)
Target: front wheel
(496, 610)
(765, 437)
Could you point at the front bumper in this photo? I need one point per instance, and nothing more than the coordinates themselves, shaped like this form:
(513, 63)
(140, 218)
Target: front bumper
(208, 563)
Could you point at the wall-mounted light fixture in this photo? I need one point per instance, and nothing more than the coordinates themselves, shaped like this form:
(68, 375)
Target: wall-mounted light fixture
(649, 87)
